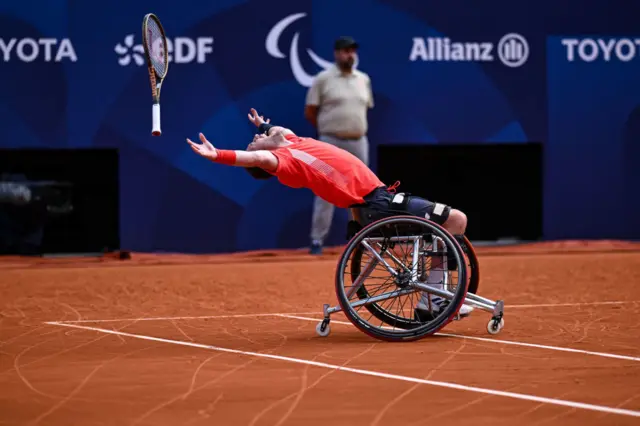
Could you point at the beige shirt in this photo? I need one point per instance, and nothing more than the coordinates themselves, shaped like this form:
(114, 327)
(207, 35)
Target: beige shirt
(343, 100)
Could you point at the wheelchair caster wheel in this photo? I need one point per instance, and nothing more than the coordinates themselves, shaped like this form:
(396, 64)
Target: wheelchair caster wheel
(323, 329)
(494, 326)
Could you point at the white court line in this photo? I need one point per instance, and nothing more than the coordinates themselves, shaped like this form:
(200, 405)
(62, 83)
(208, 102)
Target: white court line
(552, 305)
(312, 319)
(507, 307)
(506, 342)
(521, 396)
(179, 318)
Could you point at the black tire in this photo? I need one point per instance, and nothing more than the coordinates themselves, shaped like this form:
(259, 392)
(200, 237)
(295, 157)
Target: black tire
(474, 266)
(409, 329)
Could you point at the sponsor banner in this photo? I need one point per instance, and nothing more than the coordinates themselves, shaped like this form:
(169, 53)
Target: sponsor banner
(182, 50)
(41, 49)
(623, 49)
(512, 50)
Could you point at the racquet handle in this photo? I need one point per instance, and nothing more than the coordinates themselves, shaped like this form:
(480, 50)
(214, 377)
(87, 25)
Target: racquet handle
(155, 116)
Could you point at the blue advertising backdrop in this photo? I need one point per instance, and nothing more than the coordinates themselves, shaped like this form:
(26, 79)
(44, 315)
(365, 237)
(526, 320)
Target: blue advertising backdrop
(562, 73)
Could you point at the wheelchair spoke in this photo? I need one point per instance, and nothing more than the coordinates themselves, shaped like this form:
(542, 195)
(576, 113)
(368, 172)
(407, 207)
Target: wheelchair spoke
(397, 261)
(363, 276)
(379, 258)
(385, 296)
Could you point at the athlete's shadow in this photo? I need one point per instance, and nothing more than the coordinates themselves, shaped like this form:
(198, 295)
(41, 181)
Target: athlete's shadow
(352, 336)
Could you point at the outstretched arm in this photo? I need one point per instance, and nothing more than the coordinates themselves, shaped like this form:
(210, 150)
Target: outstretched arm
(262, 159)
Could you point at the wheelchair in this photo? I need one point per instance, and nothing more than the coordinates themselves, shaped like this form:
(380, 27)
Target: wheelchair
(381, 275)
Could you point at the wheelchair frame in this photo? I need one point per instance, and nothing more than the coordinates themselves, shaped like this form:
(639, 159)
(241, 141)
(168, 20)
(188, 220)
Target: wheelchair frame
(406, 279)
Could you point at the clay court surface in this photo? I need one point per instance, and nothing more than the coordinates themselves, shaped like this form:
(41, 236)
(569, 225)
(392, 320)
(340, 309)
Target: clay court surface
(226, 340)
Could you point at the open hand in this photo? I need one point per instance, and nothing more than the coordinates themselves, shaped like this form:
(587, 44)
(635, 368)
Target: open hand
(206, 149)
(256, 119)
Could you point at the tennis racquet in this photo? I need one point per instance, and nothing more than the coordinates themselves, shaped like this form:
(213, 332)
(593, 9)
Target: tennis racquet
(154, 42)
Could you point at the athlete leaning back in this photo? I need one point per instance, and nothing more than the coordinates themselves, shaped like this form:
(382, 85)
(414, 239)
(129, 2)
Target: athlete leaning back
(336, 176)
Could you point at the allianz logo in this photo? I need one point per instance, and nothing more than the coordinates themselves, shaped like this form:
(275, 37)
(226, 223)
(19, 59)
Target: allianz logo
(512, 50)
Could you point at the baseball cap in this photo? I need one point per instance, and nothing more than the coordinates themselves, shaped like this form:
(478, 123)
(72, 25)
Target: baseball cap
(345, 42)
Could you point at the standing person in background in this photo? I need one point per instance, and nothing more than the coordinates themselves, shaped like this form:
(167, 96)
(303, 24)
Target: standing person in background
(337, 104)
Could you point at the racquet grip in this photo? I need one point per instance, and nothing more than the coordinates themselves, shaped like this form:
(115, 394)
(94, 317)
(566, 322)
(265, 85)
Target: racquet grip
(155, 116)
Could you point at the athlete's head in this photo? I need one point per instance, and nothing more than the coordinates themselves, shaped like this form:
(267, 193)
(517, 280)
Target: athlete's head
(263, 142)
(345, 52)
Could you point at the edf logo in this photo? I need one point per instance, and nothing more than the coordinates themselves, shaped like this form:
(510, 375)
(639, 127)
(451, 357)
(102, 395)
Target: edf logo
(182, 50)
(590, 50)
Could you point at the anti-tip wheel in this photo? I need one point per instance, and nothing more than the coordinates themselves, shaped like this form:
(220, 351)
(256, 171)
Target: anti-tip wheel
(494, 328)
(321, 332)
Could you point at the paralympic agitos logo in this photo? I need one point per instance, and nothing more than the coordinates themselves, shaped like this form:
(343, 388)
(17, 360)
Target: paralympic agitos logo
(272, 45)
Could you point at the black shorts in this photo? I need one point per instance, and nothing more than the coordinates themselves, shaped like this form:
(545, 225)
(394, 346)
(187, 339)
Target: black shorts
(378, 205)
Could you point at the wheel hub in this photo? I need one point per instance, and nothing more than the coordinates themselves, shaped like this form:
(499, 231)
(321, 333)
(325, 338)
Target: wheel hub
(403, 279)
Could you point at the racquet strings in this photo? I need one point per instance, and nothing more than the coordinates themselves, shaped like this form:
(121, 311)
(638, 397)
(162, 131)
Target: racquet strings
(157, 47)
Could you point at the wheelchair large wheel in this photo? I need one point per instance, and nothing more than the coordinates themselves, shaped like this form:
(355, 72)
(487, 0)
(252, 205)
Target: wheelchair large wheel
(383, 307)
(362, 293)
